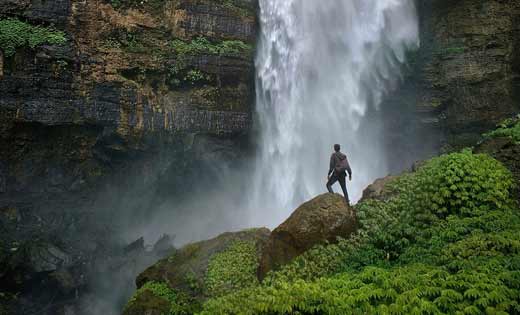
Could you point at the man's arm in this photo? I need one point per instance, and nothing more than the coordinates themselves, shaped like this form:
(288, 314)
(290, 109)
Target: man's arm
(332, 165)
(349, 170)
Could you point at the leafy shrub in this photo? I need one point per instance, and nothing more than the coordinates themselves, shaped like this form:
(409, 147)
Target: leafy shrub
(462, 184)
(180, 304)
(201, 45)
(182, 72)
(413, 289)
(194, 76)
(448, 241)
(232, 269)
(15, 33)
(509, 128)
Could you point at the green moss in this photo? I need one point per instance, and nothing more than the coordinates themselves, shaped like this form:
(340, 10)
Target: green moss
(232, 269)
(509, 128)
(447, 241)
(238, 7)
(15, 33)
(454, 50)
(202, 45)
(152, 4)
(196, 76)
(182, 72)
(158, 296)
(193, 282)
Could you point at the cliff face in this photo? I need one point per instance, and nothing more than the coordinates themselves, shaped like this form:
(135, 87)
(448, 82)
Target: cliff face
(464, 79)
(127, 72)
(471, 72)
(137, 95)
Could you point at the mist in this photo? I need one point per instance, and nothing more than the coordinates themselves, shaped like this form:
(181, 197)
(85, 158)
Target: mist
(322, 71)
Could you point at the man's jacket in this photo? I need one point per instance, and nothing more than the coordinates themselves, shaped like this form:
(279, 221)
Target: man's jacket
(335, 159)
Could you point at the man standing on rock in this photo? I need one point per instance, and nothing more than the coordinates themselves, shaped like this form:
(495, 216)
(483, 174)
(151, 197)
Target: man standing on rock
(338, 171)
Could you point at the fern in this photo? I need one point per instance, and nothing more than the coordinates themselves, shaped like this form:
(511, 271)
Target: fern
(448, 241)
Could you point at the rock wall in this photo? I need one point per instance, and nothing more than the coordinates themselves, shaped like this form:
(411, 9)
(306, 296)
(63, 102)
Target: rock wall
(118, 75)
(464, 79)
(139, 93)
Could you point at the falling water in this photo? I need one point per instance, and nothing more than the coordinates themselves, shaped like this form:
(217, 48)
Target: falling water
(323, 68)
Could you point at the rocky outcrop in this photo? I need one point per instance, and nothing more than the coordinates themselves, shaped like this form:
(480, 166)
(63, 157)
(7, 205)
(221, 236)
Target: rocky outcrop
(379, 189)
(196, 271)
(322, 219)
(234, 261)
(464, 79)
(194, 259)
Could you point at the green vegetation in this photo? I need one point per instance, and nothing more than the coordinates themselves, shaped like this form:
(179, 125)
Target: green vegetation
(201, 46)
(232, 269)
(130, 42)
(238, 7)
(241, 8)
(15, 33)
(182, 72)
(454, 50)
(194, 76)
(153, 4)
(177, 303)
(509, 128)
(447, 241)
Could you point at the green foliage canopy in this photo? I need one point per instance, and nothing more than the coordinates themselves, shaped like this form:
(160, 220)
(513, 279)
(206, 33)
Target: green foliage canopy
(509, 128)
(232, 269)
(179, 303)
(447, 240)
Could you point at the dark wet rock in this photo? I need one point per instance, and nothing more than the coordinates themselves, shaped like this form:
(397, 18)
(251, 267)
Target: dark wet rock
(379, 189)
(135, 246)
(47, 257)
(164, 245)
(65, 281)
(3, 178)
(322, 219)
(461, 82)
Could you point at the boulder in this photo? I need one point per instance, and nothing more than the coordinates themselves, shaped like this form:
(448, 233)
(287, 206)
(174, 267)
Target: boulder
(46, 257)
(186, 268)
(199, 271)
(379, 189)
(321, 220)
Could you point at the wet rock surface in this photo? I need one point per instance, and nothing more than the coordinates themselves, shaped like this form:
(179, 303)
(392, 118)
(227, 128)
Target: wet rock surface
(379, 190)
(322, 219)
(462, 81)
(89, 125)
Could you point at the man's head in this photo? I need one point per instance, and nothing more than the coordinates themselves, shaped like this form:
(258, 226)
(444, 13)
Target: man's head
(337, 147)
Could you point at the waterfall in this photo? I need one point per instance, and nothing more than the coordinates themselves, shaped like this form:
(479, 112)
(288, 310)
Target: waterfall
(323, 68)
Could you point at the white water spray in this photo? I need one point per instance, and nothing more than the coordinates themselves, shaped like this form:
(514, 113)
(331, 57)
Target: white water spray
(322, 70)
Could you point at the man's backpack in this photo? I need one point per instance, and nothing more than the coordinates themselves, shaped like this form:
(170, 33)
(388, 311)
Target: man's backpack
(341, 163)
